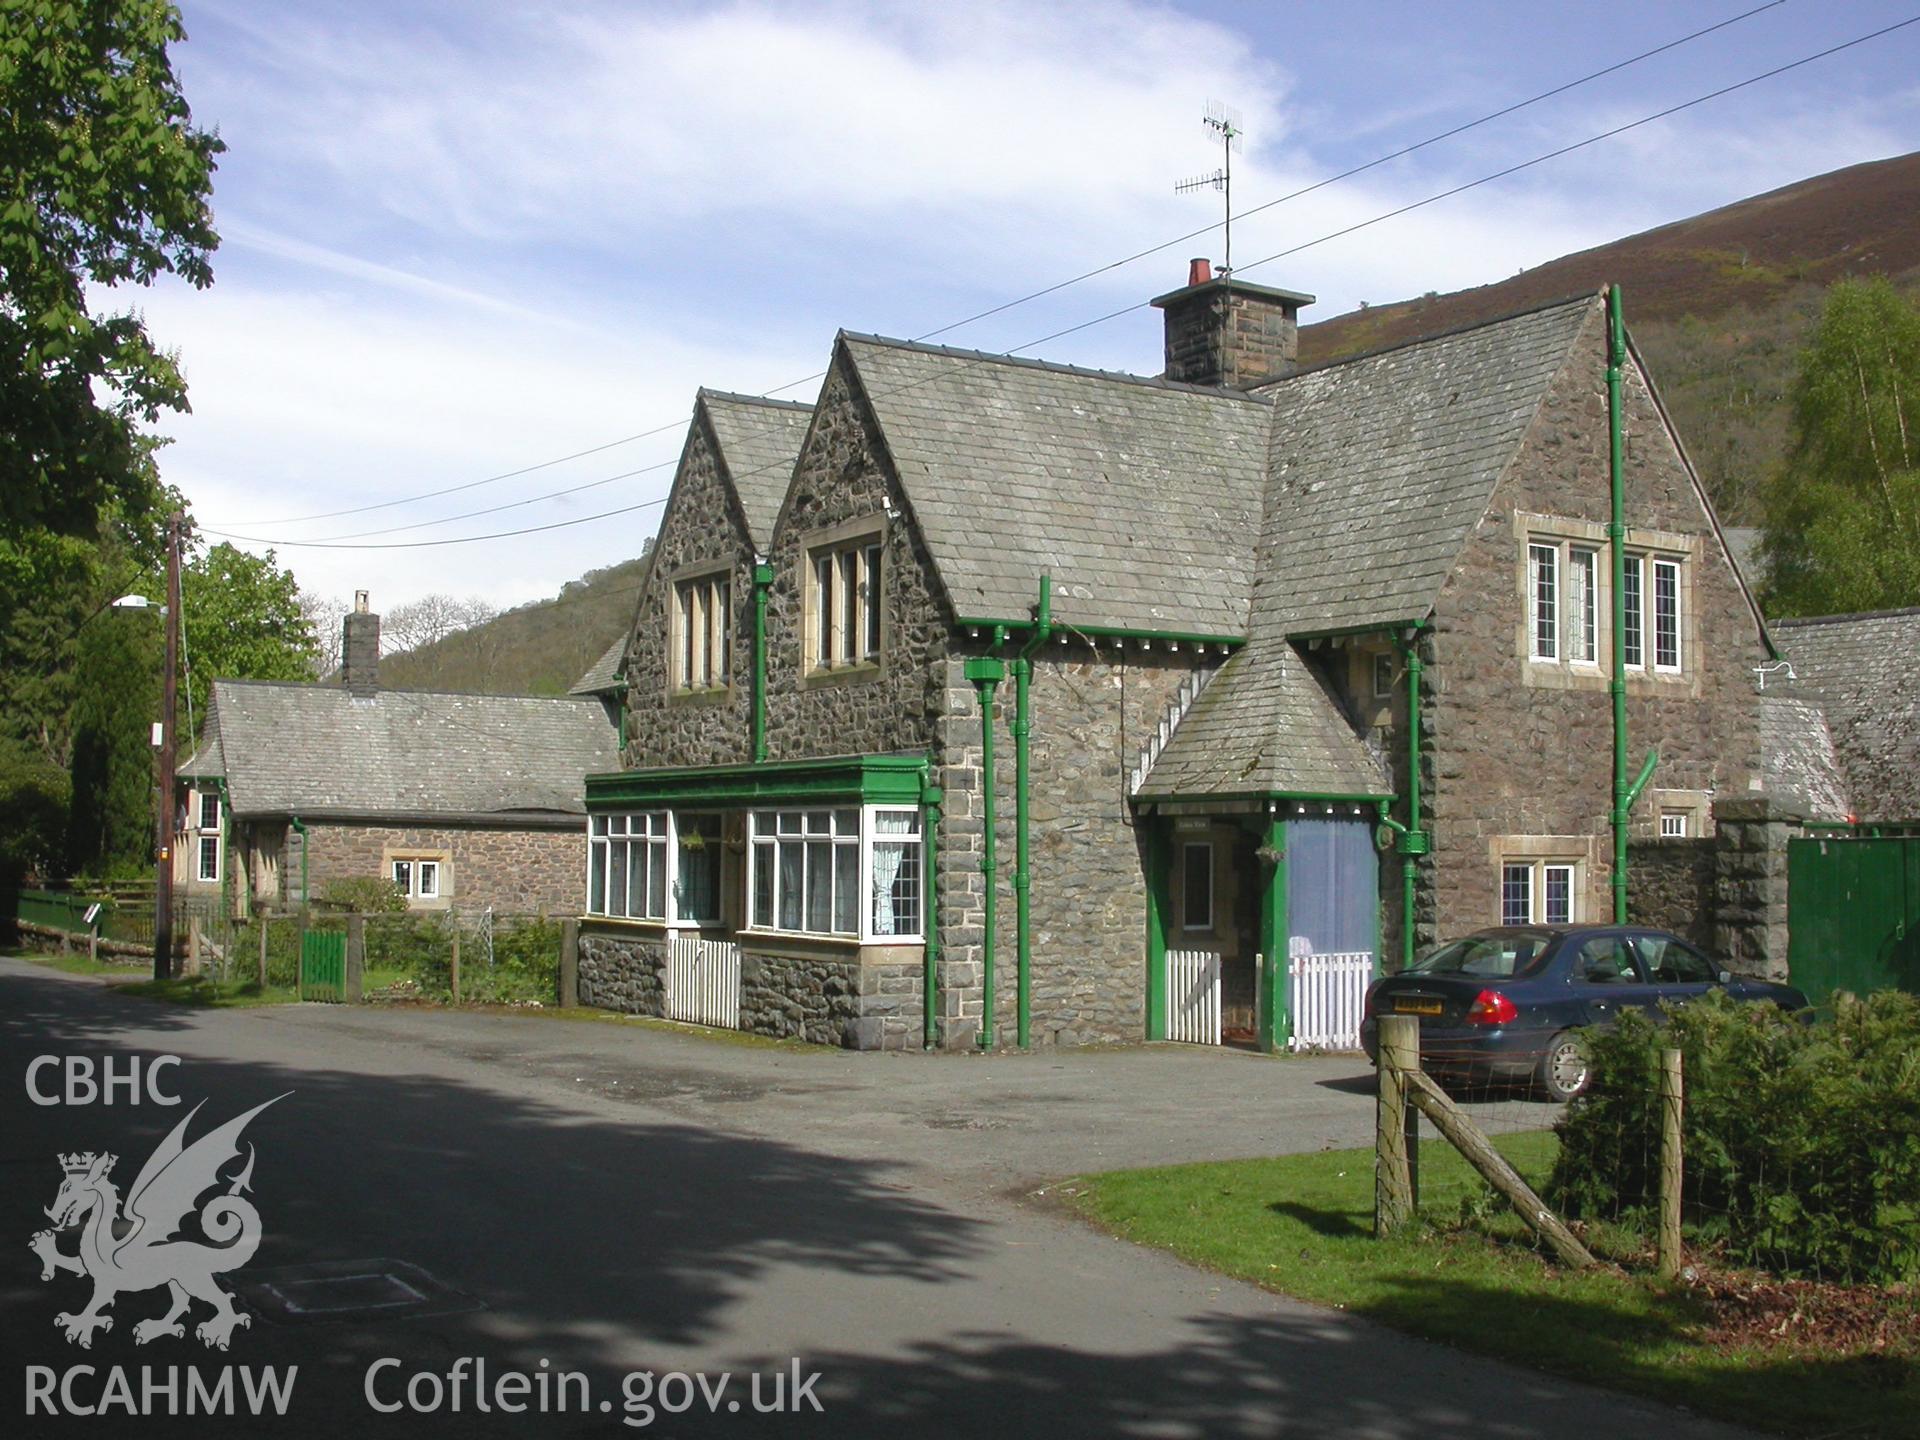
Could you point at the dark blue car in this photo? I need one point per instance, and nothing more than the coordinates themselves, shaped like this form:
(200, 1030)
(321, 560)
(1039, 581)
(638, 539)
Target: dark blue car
(1508, 1003)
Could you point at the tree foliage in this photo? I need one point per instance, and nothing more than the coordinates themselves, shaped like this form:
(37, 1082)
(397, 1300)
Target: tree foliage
(1842, 517)
(116, 701)
(104, 181)
(243, 619)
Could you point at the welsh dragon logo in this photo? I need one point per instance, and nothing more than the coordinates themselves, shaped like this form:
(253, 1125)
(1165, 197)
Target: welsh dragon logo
(137, 1250)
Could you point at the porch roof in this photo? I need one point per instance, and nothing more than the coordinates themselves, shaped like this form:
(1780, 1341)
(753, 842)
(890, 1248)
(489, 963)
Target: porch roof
(870, 779)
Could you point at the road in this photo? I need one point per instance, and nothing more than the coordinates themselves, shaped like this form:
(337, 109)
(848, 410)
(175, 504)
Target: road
(612, 1200)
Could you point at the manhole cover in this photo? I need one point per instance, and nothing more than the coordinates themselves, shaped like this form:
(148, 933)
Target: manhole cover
(348, 1289)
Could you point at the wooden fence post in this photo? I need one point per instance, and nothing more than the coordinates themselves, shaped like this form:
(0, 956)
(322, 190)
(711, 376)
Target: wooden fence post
(266, 923)
(1392, 1173)
(356, 958)
(1672, 1158)
(453, 965)
(569, 963)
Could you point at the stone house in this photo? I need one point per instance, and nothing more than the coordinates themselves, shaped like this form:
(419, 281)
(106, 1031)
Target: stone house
(461, 801)
(993, 701)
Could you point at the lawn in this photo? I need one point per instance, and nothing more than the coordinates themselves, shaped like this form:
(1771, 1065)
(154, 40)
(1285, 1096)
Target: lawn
(1303, 1225)
(202, 991)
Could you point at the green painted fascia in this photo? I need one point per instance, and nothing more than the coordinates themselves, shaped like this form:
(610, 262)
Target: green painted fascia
(869, 779)
(1297, 796)
(1380, 628)
(1107, 632)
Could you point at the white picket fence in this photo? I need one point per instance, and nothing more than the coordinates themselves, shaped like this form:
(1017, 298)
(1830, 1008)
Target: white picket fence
(1328, 993)
(703, 981)
(1193, 997)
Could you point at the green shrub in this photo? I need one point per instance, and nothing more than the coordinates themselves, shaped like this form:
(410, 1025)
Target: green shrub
(1802, 1140)
(366, 894)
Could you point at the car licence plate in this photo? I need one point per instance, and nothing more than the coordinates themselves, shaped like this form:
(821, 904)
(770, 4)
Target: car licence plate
(1416, 1005)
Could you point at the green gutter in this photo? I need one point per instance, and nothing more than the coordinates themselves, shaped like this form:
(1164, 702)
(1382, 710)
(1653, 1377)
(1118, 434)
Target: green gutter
(762, 583)
(930, 801)
(1159, 906)
(1022, 875)
(1110, 632)
(1624, 793)
(986, 673)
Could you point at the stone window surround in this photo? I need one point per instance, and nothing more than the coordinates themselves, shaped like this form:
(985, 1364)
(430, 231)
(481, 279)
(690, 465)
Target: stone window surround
(1567, 532)
(1695, 805)
(1541, 850)
(414, 854)
(861, 532)
(678, 584)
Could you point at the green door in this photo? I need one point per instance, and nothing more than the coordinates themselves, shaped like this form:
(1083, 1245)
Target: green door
(1855, 906)
(323, 966)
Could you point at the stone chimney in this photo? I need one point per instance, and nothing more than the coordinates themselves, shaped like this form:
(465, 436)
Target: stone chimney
(1223, 331)
(360, 648)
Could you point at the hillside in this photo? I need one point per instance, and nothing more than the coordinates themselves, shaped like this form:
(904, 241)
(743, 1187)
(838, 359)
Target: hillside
(1719, 304)
(537, 649)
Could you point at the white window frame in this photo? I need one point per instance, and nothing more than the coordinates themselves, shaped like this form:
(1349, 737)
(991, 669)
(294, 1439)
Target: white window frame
(1583, 616)
(1383, 666)
(209, 798)
(424, 875)
(614, 833)
(846, 589)
(675, 855)
(1543, 601)
(1186, 890)
(206, 838)
(764, 849)
(1633, 611)
(702, 656)
(1669, 566)
(1540, 875)
(1675, 824)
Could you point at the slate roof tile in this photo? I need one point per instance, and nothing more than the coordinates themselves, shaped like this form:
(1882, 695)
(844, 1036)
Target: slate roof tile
(759, 441)
(1864, 671)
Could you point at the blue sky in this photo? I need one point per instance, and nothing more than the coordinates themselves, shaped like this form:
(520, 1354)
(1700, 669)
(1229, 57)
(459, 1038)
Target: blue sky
(464, 239)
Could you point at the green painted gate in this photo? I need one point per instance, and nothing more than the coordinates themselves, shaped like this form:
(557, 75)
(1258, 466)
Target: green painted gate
(1854, 921)
(323, 966)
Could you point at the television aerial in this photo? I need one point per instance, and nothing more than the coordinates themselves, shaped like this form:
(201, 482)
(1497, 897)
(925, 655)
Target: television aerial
(1222, 123)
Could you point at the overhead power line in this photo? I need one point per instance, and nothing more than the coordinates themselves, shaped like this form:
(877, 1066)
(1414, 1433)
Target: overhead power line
(1130, 309)
(1039, 294)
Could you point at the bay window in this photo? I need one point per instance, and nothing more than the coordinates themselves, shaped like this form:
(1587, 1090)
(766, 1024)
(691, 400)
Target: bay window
(820, 872)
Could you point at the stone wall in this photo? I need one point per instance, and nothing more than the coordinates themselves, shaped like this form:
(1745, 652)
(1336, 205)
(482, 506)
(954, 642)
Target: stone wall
(1750, 884)
(1092, 710)
(702, 530)
(1521, 749)
(622, 971)
(1673, 885)
(516, 871)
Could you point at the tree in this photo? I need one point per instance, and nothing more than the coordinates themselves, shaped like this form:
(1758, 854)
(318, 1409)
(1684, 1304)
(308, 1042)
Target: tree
(325, 614)
(103, 181)
(430, 619)
(1842, 518)
(243, 620)
(116, 701)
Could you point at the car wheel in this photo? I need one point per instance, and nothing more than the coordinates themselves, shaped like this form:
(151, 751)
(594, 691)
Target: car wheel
(1564, 1069)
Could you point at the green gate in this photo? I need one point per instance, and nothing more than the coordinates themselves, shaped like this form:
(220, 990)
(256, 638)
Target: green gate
(323, 966)
(1854, 921)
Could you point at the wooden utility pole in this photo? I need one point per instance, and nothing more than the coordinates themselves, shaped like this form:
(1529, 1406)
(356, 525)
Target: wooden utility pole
(163, 803)
(1671, 1162)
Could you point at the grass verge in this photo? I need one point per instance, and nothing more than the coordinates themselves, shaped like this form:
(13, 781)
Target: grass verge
(1303, 1225)
(79, 964)
(199, 990)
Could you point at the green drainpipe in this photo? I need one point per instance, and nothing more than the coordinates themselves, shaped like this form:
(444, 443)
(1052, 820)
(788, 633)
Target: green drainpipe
(762, 584)
(986, 673)
(1159, 906)
(302, 829)
(1413, 842)
(1274, 1017)
(1022, 876)
(1625, 792)
(930, 800)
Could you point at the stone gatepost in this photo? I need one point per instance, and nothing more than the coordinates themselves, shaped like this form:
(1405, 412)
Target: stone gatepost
(1750, 883)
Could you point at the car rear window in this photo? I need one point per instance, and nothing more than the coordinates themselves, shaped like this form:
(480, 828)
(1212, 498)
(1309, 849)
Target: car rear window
(1486, 957)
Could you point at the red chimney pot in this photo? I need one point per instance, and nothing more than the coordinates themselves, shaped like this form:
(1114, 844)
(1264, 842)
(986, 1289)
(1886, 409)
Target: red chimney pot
(1199, 271)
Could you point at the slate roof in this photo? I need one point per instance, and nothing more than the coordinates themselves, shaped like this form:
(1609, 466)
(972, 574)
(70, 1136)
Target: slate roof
(319, 751)
(1140, 497)
(1265, 725)
(759, 441)
(604, 676)
(1800, 760)
(1382, 464)
(1864, 670)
